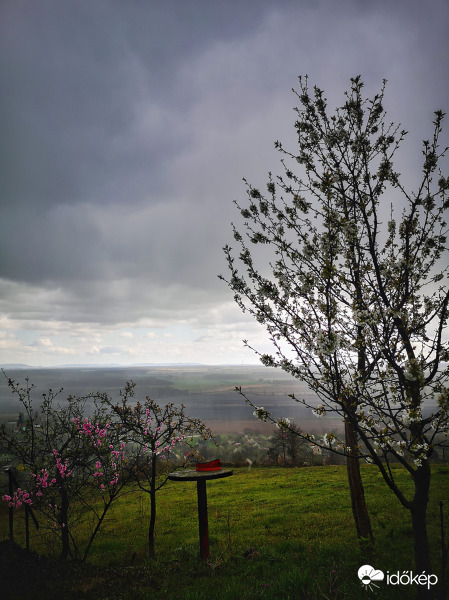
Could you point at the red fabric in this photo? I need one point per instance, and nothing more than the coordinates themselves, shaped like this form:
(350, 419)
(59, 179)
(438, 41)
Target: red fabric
(213, 465)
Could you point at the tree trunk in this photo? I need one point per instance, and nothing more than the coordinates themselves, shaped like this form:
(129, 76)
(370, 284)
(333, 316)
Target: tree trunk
(358, 504)
(421, 550)
(418, 512)
(64, 521)
(421, 547)
(96, 530)
(152, 524)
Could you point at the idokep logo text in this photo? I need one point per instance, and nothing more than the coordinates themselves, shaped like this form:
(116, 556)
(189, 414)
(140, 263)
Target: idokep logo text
(408, 578)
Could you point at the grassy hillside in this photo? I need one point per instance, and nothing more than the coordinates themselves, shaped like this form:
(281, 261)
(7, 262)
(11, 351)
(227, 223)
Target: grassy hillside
(275, 534)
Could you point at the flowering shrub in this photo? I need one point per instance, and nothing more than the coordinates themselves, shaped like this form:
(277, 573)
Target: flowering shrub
(64, 458)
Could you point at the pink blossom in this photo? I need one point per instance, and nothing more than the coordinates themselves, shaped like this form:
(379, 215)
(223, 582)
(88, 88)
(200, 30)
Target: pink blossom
(20, 497)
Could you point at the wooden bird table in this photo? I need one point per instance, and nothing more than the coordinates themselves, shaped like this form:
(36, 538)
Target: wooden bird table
(201, 477)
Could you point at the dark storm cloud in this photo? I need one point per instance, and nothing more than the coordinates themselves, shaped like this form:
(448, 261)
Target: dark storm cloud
(76, 76)
(127, 127)
(93, 117)
(71, 114)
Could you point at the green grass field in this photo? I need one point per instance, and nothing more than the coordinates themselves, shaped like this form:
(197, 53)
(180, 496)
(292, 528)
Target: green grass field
(274, 534)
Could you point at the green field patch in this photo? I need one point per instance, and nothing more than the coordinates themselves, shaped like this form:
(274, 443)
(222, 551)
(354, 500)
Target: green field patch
(274, 533)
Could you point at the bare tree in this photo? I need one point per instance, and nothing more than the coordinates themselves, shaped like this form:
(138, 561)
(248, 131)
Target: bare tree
(355, 298)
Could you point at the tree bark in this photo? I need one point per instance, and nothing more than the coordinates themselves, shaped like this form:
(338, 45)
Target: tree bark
(64, 521)
(152, 524)
(421, 550)
(418, 512)
(96, 530)
(358, 504)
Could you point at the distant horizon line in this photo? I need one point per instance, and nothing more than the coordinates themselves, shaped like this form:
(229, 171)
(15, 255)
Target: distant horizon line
(124, 366)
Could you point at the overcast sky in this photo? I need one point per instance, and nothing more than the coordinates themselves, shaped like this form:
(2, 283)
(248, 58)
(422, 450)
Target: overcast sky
(127, 127)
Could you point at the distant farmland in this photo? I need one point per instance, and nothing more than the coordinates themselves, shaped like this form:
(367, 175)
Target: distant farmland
(208, 392)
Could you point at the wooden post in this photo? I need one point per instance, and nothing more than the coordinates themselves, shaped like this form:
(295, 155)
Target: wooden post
(13, 483)
(444, 550)
(27, 527)
(202, 519)
(201, 477)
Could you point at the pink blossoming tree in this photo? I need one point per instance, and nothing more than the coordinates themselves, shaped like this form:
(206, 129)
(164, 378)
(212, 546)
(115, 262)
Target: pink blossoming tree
(67, 461)
(159, 439)
(73, 462)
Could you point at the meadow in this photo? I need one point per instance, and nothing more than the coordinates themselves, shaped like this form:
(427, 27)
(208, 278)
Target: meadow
(275, 533)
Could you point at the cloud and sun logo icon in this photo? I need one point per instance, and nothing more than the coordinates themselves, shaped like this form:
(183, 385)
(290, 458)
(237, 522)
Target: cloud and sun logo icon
(368, 575)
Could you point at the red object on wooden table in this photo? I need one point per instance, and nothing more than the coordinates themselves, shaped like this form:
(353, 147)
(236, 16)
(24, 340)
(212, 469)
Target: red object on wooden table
(212, 465)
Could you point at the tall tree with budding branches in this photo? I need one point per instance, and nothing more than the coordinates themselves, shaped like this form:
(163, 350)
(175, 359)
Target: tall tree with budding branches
(355, 298)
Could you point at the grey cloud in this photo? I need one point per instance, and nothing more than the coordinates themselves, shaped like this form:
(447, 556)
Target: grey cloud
(76, 75)
(130, 125)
